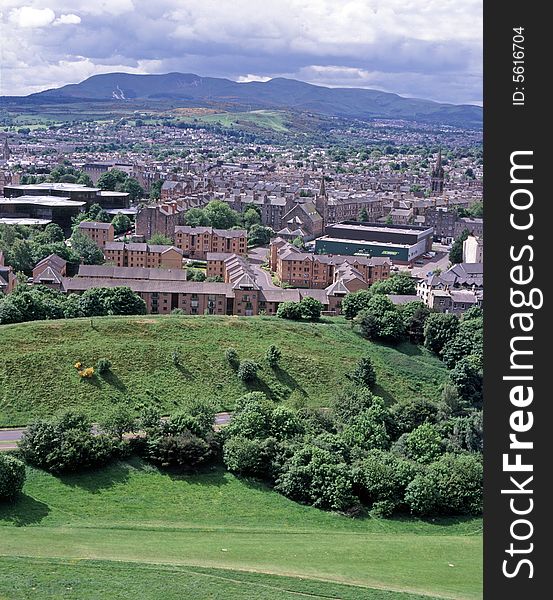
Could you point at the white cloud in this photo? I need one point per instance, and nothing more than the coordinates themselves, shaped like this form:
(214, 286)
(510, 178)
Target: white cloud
(69, 19)
(247, 78)
(29, 17)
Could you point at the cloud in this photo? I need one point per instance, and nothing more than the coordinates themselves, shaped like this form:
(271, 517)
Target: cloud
(424, 48)
(69, 19)
(32, 18)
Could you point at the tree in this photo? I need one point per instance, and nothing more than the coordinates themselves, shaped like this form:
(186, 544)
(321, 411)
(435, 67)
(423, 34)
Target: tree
(232, 357)
(110, 179)
(259, 235)
(439, 330)
(196, 217)
(380, 320)
(401, 283)
(251, 217)
(289, 310)
(355, 302)
(247, 371)
(221, 215)
(352, 401)
(364, 373)
(469, 340)
(86, 249)
(423, 444)
(246, 456)
(408, 415)
(65, 443)
(121, 223)
(123, 301)
(54, 233)
(184, 450)
(363, 214)
(155, 189)
(91, 303)
(20, 256)
(12, 477)
(456, 252)
(160, 239)
(368, 429)
(466, 376)
(451, 485)
(310, 309)
(414, 315)
(273, 356)
(132, 187)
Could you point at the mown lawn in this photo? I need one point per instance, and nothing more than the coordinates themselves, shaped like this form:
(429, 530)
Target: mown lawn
(37, 376)
(132, 512)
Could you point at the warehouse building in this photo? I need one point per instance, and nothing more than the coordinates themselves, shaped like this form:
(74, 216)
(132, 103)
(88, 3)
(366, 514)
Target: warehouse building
(402, 244)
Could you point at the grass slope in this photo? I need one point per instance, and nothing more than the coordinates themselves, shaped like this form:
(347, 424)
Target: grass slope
(134, 513)
(37, 376)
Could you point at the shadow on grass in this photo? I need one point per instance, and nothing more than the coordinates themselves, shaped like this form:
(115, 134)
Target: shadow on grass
(210, 475)
(25, 510)
(258, 385)
(111, 379)
(184, 371)
(378, 390)
(408, 349)
(96, 480)
(288, 380)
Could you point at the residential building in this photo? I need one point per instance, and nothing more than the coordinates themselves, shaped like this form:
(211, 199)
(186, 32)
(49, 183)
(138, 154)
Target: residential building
(50, 271)
(7, 276)
(99, 233)
(123, 254)
(197, 242)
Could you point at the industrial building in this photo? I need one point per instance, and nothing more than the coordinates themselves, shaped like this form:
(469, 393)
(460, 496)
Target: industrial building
(41, 210)
(403, 244)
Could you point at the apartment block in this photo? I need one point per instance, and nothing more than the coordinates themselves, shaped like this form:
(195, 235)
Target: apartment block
(99, 233)
(121, 254)
(197, 242)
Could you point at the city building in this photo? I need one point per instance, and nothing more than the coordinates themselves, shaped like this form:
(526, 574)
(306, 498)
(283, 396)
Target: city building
(7, 276)
(401, 243)
(123, 254)
(197, 242)
(50, 271)
(99, 233)
(41, 210)
(473, 249)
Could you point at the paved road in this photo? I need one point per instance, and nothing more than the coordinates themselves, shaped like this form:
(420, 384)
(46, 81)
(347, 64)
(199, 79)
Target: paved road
(256, 257)
(10, 437)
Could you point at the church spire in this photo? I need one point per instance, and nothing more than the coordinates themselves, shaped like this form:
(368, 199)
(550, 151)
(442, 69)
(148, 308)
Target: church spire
(6, 152)
(437, 178)
(322, 190)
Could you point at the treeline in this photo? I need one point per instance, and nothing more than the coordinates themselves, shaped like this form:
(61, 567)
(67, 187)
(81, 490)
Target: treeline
(36, 303)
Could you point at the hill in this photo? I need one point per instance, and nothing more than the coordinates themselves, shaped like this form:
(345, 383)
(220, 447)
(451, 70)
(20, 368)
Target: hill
(37, 374)
(187, 89)
(131, 530)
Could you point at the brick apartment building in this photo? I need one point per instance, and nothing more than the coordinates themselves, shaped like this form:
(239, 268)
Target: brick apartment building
(147, 256)
(197, 242)
(304, 269)
(99, 233)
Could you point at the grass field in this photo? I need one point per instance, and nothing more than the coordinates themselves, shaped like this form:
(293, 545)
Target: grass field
(215, 536)
(37, 376)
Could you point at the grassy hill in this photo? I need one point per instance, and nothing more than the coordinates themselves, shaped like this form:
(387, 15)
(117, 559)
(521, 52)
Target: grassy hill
(37, 374)
(130, 530)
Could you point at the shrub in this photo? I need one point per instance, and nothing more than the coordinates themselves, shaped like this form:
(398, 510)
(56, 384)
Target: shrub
(118, 421)
(364, 373)
(65, 443)
(439, 330)
(423, 444)
(451, 485)
(273, 356)
(247, 371)
(12, 477)
(175, 357)
(355, 302)
(185, 450)
(289, 310)
(310, 309)
(232, 357)
(249, 456)
(351, 402)
(103, 365)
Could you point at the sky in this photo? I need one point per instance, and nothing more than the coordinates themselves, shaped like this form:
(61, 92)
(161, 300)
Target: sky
(418, 48)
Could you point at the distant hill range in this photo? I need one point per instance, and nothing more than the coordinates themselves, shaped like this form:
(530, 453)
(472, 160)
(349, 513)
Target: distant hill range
(185, 89)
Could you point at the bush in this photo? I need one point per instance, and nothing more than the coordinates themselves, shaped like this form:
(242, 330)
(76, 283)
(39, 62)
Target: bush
(351, 402)
(355, 302)
(175, 357)
(12, 477)
(368, 430)
(232, 357)
(423, 444)
(118, 421)
(103, 365)
(310, 309)
(246, 456)
(451, 485)
(439, 330)
(289, 310)
(184, 451)
(247, 371)
(65, 444)
(273, 355)
(364, 373)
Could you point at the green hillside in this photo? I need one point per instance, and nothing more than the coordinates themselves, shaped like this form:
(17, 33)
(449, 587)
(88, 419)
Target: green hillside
(213, 535)
(38, 377)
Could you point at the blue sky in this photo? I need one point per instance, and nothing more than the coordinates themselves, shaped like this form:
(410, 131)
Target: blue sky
(420, 48)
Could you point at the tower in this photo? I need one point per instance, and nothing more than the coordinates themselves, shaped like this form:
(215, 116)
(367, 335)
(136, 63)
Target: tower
(437, 179)
(321, 202)
(6, 152)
